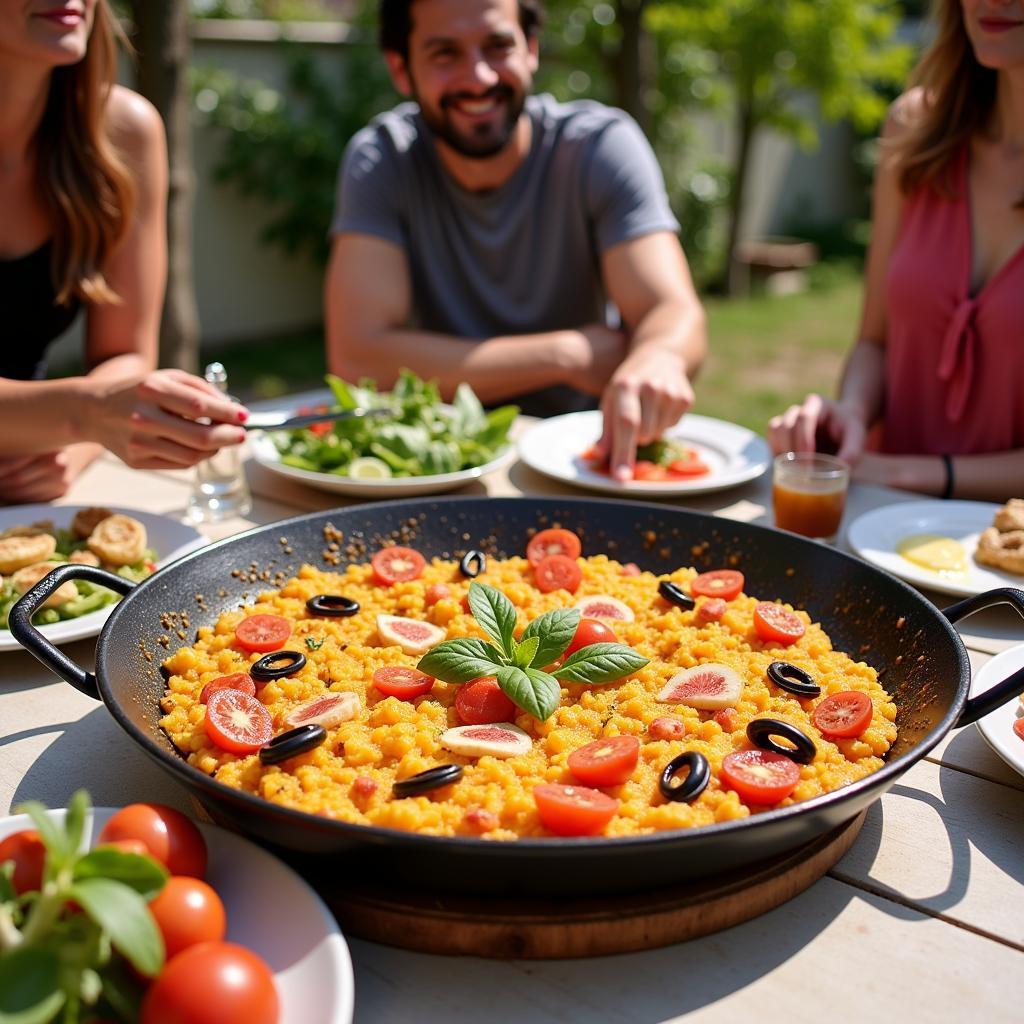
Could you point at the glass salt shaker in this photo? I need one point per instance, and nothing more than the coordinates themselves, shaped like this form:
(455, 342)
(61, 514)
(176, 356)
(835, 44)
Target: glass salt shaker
(219, 489)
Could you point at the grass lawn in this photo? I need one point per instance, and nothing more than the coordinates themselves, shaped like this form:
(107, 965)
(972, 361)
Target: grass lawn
(766, 352)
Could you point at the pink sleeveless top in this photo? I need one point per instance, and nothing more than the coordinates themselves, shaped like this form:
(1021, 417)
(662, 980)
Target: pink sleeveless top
(954, 361)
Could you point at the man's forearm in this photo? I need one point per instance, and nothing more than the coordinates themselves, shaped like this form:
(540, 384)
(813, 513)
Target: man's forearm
(678, 327)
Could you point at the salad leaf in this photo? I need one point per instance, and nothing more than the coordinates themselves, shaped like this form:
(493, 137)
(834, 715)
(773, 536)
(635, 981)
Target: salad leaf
(30, 991)
(122, 913)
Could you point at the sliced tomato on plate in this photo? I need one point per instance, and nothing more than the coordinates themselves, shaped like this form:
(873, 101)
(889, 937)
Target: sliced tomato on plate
(688, 464)
(397, 565)
(237, 722)
(760, 776)
(236, 681)
(605, 762)
(644, 470)
(573, 810)
(777, 625)
(483, 702)
(723, 583)
(552, 542)
(843, 714)
(557, 572)
(263, 633)
(401, 682)
(1018, 727)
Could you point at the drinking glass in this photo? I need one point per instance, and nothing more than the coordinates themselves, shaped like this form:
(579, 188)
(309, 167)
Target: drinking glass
(809, 493)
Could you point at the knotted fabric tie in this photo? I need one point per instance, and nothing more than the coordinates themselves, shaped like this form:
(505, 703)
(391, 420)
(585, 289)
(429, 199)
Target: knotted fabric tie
(956, 358)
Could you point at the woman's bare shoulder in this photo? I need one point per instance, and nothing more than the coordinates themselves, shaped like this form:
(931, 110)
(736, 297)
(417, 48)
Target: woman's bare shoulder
(905, 113)
(133, 123)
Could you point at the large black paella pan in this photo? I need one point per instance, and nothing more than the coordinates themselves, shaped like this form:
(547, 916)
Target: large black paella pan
(873, 616)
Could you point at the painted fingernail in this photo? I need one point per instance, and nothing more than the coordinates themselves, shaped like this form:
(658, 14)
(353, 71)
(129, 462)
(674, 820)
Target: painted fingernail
(242, 415)
(240, 436)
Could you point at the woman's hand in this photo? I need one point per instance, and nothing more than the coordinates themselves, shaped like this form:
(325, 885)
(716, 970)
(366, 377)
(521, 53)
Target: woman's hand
(819, 422)
(37, 478)
(156, 422)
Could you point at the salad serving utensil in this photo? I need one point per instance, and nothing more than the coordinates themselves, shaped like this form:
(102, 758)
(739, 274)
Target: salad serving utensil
(282, 419)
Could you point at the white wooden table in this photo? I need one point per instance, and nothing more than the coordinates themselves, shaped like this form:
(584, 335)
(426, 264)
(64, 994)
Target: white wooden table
(923, 919)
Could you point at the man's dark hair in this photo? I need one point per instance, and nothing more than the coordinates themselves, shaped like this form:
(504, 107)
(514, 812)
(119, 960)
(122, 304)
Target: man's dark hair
(395, 18)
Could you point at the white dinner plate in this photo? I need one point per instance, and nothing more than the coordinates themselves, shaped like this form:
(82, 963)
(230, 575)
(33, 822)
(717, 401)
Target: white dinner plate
(875, 534)
(997, 726)
(169, 538)
(266, 454)
(734, 454)
(271, 911)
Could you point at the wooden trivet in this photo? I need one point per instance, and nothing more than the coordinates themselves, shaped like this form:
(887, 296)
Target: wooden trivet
(550, 928)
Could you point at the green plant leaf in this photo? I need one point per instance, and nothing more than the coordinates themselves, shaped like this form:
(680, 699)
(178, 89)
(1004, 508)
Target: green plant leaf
(600, 663)
(555, 630)
(30, 991)
(122, 913)
(524, 651)
(494, 613)
(143, 874)
(7, 893)
(74, 820)
(460, 660)
(530, 689)
(53, 836)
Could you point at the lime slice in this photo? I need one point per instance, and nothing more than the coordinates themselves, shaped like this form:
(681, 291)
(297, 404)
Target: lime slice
(369, 468)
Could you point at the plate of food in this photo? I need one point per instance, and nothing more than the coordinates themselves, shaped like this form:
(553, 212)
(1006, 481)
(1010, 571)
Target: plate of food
(412, 444)
(34, 538)
(938, 544)
(698, 455)
(1003, 728)
(253, 892)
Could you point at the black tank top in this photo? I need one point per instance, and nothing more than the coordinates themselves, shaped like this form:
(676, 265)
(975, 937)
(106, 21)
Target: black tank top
(30, 317)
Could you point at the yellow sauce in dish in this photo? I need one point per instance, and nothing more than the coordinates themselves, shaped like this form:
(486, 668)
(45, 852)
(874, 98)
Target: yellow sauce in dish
(943, 555)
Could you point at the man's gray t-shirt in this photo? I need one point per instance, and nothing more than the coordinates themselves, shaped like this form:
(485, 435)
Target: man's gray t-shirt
(523, 258)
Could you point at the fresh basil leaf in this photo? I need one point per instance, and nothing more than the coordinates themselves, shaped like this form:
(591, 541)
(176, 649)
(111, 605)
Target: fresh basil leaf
(53, 836)
(469, 413)
(460, 660)
(122, 913)
(494, 613)
(524, 652)
(143, 874)
(600, 663)
(555, 630)
(30, 991)
(499, 422)
(74, 820)
(530, 689)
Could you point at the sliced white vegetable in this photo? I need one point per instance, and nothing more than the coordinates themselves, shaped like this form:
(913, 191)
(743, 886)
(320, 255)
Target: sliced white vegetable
(501, 739)
(708, 687)
(412, 635)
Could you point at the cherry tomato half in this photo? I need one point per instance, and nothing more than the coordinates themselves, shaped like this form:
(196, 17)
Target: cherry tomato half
(723, 583)
(552, 542)
(688, 464)
(1018, 727)
(645, 470)
(167, 834)
(760, 776)
(557, 572)
(843, 714)
(263, 633)
(187, 911)
(397, 565)
(777, 625)
(213, 983)
(236, 681)
(590, 631)
(605, 762)
(482, 701)
(27, 851)
(401, 682)
(237, 722)
(573, 810)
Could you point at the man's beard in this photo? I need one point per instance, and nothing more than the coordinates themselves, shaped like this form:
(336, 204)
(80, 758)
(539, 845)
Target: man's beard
(488, 139)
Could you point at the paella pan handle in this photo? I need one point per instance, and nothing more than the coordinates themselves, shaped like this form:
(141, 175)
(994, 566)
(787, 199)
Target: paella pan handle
(20, 621)
(1012, 685)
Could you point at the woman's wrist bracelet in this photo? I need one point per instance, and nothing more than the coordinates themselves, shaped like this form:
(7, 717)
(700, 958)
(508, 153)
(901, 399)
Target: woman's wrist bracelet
(947, 491)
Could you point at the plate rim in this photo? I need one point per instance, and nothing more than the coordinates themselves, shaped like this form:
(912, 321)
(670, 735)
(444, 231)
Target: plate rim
(639, 489)
(987, 725)
(921, 577)
(85, 626)
(336, 945)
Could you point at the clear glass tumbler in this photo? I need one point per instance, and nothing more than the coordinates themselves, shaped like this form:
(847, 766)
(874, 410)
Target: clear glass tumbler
(809, 493)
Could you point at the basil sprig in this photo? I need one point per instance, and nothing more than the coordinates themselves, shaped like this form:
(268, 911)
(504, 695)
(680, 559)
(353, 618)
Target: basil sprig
(518, 664)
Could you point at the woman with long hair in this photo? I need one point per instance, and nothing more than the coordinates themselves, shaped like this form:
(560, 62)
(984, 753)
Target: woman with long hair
(932, 396)
(83, 188)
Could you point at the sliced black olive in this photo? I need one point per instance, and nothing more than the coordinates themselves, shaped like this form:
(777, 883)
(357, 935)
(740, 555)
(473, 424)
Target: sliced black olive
(793, 678)
(473, 563)
(432, 778)
(294, 741)
(277, 665)
(760, 733)
(693, 785)
(332, 605)
(674, 594)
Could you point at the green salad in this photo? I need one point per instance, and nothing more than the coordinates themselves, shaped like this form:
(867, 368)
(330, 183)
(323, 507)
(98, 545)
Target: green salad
(91, 596)
(420, 437)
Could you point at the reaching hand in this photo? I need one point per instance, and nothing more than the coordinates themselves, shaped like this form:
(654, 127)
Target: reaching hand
(647, 394)
(801, 427)
(38, 478)
(154, 423)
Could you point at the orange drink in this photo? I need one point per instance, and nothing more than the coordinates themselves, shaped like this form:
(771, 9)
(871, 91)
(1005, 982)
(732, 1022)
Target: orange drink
(809, 493)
